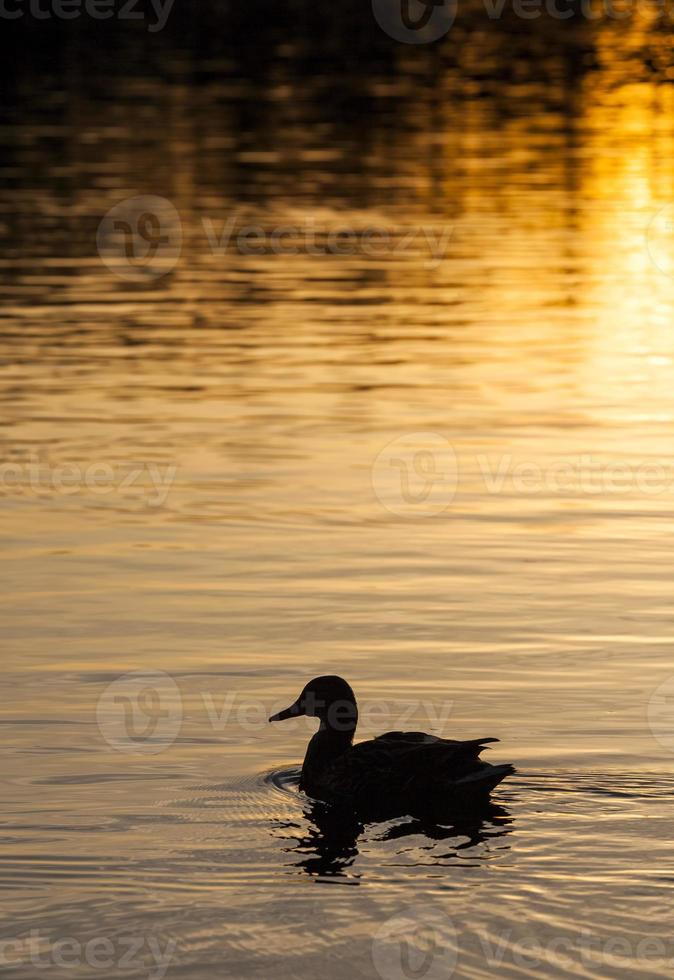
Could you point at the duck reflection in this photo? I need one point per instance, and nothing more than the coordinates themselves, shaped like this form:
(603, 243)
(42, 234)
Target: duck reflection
(326, 845)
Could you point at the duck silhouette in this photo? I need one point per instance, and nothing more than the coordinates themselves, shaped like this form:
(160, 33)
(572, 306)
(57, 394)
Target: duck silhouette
(394, 774)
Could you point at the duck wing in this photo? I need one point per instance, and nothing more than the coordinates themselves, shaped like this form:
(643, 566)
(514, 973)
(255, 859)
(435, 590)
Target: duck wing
(409, 770)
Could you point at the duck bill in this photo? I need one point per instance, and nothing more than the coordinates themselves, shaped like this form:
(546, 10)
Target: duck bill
(292, 712)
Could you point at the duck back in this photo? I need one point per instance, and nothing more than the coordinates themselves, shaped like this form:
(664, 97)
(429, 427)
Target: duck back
(402, 772)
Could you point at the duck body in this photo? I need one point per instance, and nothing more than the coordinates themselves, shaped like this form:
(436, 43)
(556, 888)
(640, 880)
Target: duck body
(394, 774)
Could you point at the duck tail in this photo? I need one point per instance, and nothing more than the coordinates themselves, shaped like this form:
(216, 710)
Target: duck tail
(484, 779)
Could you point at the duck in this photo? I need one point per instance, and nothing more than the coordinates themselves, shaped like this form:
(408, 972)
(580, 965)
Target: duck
(394, 774)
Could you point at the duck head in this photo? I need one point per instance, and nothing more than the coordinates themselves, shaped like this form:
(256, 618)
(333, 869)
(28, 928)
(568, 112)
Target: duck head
(328, 698)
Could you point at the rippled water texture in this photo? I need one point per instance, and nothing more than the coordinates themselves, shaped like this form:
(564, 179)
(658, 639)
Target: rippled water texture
(440, 465)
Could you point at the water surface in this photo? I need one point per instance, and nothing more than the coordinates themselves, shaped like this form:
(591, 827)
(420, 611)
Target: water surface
(268, 536)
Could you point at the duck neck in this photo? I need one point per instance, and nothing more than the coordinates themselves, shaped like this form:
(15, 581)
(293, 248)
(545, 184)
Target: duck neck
(327, 745)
